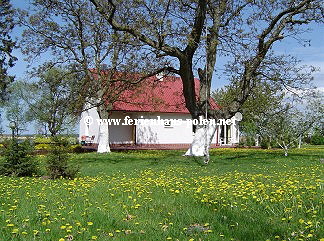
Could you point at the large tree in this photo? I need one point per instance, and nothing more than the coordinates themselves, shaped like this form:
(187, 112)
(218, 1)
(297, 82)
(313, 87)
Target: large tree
(75, 35)
(6, 46)
(245, 30)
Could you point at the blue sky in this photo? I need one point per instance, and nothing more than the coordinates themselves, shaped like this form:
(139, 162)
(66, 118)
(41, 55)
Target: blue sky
(310, 55)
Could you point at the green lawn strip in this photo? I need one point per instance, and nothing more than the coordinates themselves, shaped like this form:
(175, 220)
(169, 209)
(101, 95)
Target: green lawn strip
(243, 194)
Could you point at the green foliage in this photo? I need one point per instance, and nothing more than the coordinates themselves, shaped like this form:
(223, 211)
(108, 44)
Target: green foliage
(267, 143)
(6, 46)
(43, 143)
(58, 159)
(50, 100)
(42, 140)
(18, 160)
(43, 147)
(250, 141)
(247, 141)
(317, 139)
(15, 107)
(46, 143)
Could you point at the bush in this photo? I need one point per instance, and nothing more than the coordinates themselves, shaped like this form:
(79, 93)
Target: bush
(46, 143)
(18, 160)
(317, 139)
(265, 143)
(43, 146)
(58, 159)
(42, 140)
(250, 141)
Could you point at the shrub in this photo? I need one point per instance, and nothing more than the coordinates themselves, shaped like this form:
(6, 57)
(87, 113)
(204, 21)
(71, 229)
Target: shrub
(43, 146)
(45, 143)
(265, 143)
(42, 140)
(18, 160)
(58, 159)
(317, 139)
(250, 141)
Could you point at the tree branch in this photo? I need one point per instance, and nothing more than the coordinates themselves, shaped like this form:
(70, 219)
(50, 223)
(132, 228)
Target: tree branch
(195, 35)
(172, 51)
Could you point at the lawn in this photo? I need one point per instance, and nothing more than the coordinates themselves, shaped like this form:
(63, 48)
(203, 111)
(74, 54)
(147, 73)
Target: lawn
(243, 194)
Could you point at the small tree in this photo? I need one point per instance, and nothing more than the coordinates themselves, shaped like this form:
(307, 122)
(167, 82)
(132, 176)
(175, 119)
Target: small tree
(58, 165)
(264, 101)
(18, 160)
(288, 127)
(15, 107)
(50, 100)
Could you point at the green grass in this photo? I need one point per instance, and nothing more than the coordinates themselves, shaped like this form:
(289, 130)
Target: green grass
(242, 194)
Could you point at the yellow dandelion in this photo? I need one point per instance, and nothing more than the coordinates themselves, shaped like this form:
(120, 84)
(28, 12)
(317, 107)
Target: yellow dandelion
(90, 223)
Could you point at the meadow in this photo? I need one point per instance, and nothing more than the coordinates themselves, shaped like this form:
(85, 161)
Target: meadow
(242, 194)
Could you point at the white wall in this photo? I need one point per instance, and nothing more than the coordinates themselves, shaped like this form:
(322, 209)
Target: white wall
(179, 133)
(121, 134)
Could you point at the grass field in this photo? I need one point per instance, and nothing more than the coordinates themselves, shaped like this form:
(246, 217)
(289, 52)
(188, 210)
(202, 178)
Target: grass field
(243, 194)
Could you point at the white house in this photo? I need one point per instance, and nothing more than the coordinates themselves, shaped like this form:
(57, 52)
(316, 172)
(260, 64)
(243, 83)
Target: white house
(154, 114)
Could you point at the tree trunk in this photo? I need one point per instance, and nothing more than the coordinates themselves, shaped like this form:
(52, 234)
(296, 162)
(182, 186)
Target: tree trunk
(103, 139)
(257, 140)
(299, 141)
(201, 141)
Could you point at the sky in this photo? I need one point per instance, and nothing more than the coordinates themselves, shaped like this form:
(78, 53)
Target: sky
(309, 55)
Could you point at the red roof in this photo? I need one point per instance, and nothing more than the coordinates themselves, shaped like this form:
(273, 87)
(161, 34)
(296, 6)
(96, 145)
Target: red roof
(154, 95)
